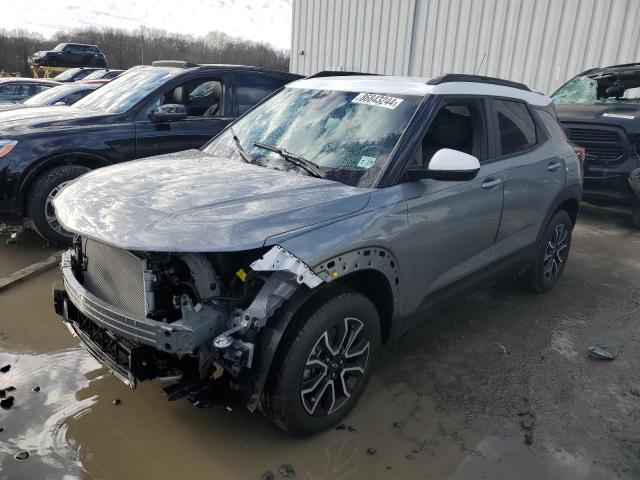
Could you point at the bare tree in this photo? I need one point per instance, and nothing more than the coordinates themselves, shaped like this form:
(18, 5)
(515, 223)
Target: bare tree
(124, 48)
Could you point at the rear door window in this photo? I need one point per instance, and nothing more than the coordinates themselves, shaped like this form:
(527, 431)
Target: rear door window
(516, 128)
(251, 90)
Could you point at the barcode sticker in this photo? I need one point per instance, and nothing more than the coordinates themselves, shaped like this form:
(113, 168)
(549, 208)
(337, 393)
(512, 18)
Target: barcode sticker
(377, 100)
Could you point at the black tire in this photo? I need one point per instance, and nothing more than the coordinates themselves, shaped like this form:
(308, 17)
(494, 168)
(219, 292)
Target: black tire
(301, 353)
(635, 212)
(38, 202)
(552, 253)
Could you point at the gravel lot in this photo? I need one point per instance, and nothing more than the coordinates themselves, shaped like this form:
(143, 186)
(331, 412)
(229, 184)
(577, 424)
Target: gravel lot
(499, 386)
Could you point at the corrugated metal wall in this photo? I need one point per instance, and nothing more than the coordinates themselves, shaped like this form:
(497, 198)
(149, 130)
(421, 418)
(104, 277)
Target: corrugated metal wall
(539, 42)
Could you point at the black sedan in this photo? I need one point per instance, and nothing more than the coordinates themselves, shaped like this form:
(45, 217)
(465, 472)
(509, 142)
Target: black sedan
(60, 95)
(147, 111)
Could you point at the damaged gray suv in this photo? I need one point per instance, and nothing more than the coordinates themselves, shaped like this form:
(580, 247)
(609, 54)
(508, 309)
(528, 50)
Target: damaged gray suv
(268, 268)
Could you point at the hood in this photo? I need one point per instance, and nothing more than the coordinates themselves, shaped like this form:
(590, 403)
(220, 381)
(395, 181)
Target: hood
(625, 115)
(26, 120)
(193, 202)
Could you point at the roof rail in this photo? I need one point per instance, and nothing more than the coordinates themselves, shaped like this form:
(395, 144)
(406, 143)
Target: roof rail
(462, 77)
(173, 63)
(331, 73)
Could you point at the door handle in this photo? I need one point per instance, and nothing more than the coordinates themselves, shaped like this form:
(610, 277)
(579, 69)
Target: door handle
(554, 165)
(491, 183)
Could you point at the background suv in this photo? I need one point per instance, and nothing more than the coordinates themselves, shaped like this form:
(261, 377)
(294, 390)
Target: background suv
(70, 55)
(148, 110)
(600, 111)
(325, 221)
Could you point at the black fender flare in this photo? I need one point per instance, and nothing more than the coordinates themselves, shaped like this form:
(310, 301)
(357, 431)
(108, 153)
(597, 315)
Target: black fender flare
(269, 341)
(571, 192)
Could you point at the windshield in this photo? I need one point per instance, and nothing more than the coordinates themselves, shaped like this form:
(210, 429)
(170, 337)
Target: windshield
(95, 75)
(603, 87)
(348, 135)
(127, 90)
(60, 47)
(48, 97)
(67, 74)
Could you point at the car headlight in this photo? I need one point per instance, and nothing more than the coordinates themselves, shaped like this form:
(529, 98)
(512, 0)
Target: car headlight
(6, 146)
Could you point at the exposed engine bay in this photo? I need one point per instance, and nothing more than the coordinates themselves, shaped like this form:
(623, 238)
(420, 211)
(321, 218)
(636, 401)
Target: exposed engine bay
(186, 318)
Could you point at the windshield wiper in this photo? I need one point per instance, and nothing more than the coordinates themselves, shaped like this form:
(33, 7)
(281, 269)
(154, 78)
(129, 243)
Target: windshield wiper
(301, 162)
(245, 156)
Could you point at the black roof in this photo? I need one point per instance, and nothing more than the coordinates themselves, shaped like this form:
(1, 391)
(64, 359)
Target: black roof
(184, 64)
(332, 73)
(463, 77)
(621, 67)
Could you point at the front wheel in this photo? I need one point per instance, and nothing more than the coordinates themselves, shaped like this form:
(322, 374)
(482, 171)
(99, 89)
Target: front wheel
(40, 202)
(325, 364)
(552, 252)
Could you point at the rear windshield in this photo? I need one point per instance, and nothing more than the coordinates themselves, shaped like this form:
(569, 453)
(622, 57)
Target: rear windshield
(95, 75)
(67, 74)
(604, 87)
(348, 135)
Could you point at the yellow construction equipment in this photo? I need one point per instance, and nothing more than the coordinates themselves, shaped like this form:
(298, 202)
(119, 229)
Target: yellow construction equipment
(47, 72)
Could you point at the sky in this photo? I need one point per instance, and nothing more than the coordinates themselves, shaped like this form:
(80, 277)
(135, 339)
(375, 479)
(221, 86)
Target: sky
(262, 20)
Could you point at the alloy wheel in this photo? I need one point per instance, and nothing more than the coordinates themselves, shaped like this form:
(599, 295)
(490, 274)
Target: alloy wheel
(334, 368)
(49, 211)
(556, 252)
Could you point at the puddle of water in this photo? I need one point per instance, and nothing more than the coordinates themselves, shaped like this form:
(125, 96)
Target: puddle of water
(443, 403)
(27, 250)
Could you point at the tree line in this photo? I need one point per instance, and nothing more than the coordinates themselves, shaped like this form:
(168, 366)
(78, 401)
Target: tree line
(125, 49)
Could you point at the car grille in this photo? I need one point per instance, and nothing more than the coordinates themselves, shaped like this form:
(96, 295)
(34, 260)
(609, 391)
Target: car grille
(601, 143)
(591, 135)
(115, 276)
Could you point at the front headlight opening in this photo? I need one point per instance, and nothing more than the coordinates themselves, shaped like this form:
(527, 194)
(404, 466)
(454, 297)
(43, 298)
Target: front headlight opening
(6, 146)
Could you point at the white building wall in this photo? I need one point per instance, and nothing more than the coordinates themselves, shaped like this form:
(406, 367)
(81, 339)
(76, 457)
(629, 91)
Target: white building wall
(539, 42)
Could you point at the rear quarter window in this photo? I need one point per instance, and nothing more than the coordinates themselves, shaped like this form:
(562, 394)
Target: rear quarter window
(516, 128)
(551, 125)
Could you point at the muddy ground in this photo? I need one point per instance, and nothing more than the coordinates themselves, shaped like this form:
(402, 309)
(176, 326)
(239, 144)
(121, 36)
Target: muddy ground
(447, 401)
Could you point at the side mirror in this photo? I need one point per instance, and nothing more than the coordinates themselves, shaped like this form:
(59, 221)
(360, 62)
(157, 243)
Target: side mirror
(59, 104)
(171, 112)
(448, 164)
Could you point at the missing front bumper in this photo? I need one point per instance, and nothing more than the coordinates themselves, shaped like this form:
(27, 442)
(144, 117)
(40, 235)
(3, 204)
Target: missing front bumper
(105, 347)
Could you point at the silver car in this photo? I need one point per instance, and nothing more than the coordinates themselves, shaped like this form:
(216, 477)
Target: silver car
(268, 268)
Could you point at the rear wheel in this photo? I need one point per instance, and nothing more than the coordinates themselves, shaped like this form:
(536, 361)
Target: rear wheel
(552, 252)
(40, 206)
(325, 364)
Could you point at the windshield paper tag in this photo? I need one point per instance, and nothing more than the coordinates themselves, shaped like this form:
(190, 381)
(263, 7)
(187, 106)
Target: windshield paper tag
(366, 162)
(377, 100)
(619, 115)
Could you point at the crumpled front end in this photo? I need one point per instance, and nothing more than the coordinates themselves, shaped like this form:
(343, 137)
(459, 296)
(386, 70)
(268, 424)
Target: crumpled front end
(191, 319)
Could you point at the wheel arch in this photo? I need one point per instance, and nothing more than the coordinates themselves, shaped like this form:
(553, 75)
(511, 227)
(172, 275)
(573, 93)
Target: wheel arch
(85, 159)
(569, 200)
(379, 282)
